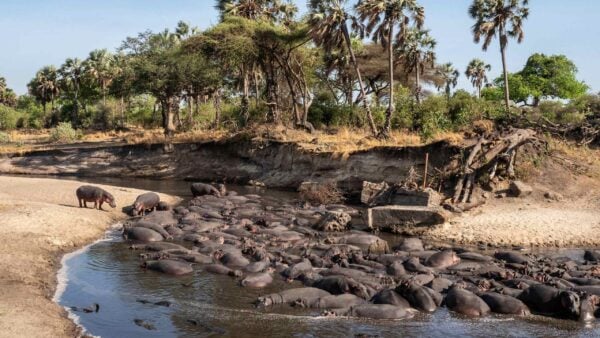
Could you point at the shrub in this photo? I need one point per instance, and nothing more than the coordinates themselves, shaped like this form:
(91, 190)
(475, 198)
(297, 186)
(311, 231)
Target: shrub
(64, 133)
(432, 116)
(320, 193)
(4, 137)
(9, 118)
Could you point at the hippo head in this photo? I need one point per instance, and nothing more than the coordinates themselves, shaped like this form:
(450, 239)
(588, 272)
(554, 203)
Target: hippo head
(263, 301)
(108, 198)
(300, 303)
(571, 302)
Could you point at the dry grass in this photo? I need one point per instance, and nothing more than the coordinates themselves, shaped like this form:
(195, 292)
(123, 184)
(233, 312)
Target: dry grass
(341, 142)
(344, 141)
(581, 159)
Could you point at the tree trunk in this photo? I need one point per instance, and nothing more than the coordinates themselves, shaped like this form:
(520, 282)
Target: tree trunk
(385, 133)
(417, 82)
(479, 91)
(168, 117)
(504, 68)
(361, 85)
(122, 112)
(217, 103)
(245, 95)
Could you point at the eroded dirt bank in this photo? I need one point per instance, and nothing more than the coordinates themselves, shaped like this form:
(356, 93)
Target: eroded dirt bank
(39, 222)
(277, 164)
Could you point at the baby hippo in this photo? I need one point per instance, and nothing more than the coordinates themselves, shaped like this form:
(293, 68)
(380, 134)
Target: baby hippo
(145, 202)
(88, 193)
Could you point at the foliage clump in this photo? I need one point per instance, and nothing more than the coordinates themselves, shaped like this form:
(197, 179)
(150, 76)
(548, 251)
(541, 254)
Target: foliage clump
(64, 133)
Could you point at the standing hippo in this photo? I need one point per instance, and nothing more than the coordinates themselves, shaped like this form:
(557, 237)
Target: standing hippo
(144, 202)
(88, 193)
(201, 189)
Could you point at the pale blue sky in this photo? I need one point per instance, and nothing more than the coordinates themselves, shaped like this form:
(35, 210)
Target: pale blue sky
(41, 32)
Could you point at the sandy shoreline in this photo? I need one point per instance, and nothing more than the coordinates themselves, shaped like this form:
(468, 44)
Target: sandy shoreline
(40, 222)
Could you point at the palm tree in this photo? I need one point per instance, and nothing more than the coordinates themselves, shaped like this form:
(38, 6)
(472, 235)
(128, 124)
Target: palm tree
(450, 75)
(329, 29)
(477, 73)
(381, 18)
(269, 10)
(72, 73)
(45, 86)
(503, 18)
(100, 65)
(416, 53)
(3, 85)
(184, 31)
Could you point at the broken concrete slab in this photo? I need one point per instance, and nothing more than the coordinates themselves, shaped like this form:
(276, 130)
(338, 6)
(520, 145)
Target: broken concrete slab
(394, 217)
(374, 194)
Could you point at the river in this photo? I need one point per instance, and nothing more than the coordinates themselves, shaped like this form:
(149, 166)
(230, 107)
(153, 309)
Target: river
(207, 305)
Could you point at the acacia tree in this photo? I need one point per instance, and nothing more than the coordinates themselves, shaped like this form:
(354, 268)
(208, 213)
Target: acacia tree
(450, 75)
(329, 29)
(502, 18)
(388, 21)
(416, 53)
(477, 73)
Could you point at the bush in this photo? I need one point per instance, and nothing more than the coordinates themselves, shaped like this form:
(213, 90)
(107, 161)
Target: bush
(432, 116)
(4, 137)
(325, 111)
(64, 133)
(320, 193)
(9, 118)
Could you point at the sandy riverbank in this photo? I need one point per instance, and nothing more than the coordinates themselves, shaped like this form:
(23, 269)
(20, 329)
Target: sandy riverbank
(40, 221)
(532, 221)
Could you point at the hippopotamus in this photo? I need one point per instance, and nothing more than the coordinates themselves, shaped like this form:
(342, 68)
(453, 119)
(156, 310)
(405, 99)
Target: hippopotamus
(389, 296)
(551, 301)
(374, 311)
(88, 193)
(410, 244)
(443, 259)
(413, 265)
(297, 269)
(588, 308)
(396, 269)
(201, 189)
(145, 202)
(257, 280)
(306, 295)
(465, 302)
(591, 255)
(439, 284)
(142, 234)
(257, 266)
(511, 257)
(222, 270)
(332, 302)
(341, 284)
(417, 296)
(231, 259)
(169, 267)
(505, 304)
(155, 227)
(473, 256)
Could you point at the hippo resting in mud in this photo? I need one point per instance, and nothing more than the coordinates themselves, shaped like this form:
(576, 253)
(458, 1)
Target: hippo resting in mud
(201, 189)
(88, 193)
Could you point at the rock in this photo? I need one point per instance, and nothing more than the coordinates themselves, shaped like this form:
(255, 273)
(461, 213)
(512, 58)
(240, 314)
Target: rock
(393, 217)
(553, 196)
(520, 189)
(334, 221)
(374, 194)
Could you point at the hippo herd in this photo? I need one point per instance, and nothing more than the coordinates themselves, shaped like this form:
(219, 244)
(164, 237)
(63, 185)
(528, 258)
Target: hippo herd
(352, 273)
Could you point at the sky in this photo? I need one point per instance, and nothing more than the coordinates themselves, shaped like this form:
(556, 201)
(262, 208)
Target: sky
(35, 33)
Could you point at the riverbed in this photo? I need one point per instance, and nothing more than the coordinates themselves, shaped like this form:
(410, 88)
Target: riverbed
(203, 305)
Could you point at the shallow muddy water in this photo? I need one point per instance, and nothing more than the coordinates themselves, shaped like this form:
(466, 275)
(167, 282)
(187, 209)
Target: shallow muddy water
(207, 305)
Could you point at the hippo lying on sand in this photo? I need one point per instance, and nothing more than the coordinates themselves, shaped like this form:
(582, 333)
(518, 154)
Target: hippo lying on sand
(144, 202)
(88, 193)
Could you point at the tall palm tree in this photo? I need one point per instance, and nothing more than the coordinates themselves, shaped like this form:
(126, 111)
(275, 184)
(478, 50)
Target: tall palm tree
(270, 10)
(416, 53)
(72, 73)
(502, 18)
(3, 85)
(477, 73)
(382, 18)
(45, 86)
(184, 30)
(100, 65)
(329, 29)
(450, 75)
